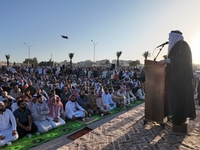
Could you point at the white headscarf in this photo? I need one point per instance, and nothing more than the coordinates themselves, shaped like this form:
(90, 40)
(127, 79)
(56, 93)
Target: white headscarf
(174, 37)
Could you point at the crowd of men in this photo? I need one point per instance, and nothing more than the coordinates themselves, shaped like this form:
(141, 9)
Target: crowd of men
(36, 100)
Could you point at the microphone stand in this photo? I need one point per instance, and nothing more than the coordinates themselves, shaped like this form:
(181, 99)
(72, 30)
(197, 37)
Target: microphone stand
(158, 53)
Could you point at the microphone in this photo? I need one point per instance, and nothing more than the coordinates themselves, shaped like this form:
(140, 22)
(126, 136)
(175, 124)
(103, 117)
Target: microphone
(163, 44)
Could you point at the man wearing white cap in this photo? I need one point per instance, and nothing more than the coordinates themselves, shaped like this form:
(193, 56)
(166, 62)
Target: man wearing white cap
(179, 86)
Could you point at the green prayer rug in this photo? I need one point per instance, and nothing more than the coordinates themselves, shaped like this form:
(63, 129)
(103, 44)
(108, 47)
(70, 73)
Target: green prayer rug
(26, 143)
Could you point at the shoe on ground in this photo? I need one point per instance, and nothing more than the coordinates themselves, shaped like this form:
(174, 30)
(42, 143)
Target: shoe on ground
(37, 133)
(29, 135)
(9, 143)
(87, 119)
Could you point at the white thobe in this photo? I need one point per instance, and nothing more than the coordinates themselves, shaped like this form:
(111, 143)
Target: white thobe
(60, 122)
(107, 98)
(14, 106)
(74, 109)
(7, 126)
(39, 112)
(140, 93)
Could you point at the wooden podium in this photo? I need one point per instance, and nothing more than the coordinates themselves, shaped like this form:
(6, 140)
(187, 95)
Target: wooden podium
(155, 98)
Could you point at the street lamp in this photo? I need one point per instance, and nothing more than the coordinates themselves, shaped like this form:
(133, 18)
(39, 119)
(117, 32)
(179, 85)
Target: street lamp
(94, 49)
(29, 46)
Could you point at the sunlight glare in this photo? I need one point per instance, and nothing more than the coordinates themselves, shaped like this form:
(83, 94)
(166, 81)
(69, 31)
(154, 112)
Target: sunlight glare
(195, 48)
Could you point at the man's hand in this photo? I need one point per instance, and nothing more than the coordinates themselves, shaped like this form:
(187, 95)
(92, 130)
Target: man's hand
(56, 120)
(86, 113)
(14, 132)
(165, 56)
(162, 63)
(45, 109)
(28, 128)
(2, 137)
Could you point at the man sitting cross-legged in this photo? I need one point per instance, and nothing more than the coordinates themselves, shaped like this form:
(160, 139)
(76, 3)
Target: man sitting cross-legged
(56, 111)
(40, 110)
(8, 126)
(25, 124)
(73, 110)
(82, 100)
(92, 101)
(103, 108)
(107, 98)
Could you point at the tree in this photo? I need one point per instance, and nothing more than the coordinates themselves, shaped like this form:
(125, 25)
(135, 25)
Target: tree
(118, 55)
(107, 62)
(33, 61)
(146, 54)
(71, 55)
(7, 58)
(134, 63)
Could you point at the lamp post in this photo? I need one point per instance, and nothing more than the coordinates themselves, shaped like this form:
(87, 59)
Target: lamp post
(94, 49)
(29, 46)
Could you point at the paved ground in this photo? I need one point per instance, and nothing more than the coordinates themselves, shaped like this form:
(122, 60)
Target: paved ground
(126, 131)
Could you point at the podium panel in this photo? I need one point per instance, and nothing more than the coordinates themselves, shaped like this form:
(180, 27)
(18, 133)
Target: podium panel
(155, 92)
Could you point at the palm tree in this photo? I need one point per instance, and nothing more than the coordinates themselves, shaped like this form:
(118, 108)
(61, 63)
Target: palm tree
(71, 55)
(7, 58)
(146, 54)
(118, 55)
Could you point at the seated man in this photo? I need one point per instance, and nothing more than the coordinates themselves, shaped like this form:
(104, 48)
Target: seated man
(14, 105)
(64, 95)
(25, 125)
(118, 99)
(129, 95)
(140, 93)
(39, 92)
(122, 93)
(56, 111)
(8, 126)
(39, 112)
(103, 108)
(107, 98)
(7, 98)
(73, 110)
(92, 101)
(15, 92)
(31, 102)
(82, 100)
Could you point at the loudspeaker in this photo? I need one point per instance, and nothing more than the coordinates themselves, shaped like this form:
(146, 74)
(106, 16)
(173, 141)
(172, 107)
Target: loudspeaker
(112, 66)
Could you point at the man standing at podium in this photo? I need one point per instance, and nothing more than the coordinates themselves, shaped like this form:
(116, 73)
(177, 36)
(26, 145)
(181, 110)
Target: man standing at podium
(179, 79)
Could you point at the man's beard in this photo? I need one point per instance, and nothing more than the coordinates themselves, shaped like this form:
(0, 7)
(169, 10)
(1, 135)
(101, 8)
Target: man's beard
(3, 110)
(82, 96)
(23, 108)
(54, 104)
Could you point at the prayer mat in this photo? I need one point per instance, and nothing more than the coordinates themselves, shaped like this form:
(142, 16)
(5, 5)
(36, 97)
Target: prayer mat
(79, 133)
(88, 121)
(26, 143)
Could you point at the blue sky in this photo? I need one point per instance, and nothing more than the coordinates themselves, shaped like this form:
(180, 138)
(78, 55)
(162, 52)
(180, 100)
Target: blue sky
(130, 26)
